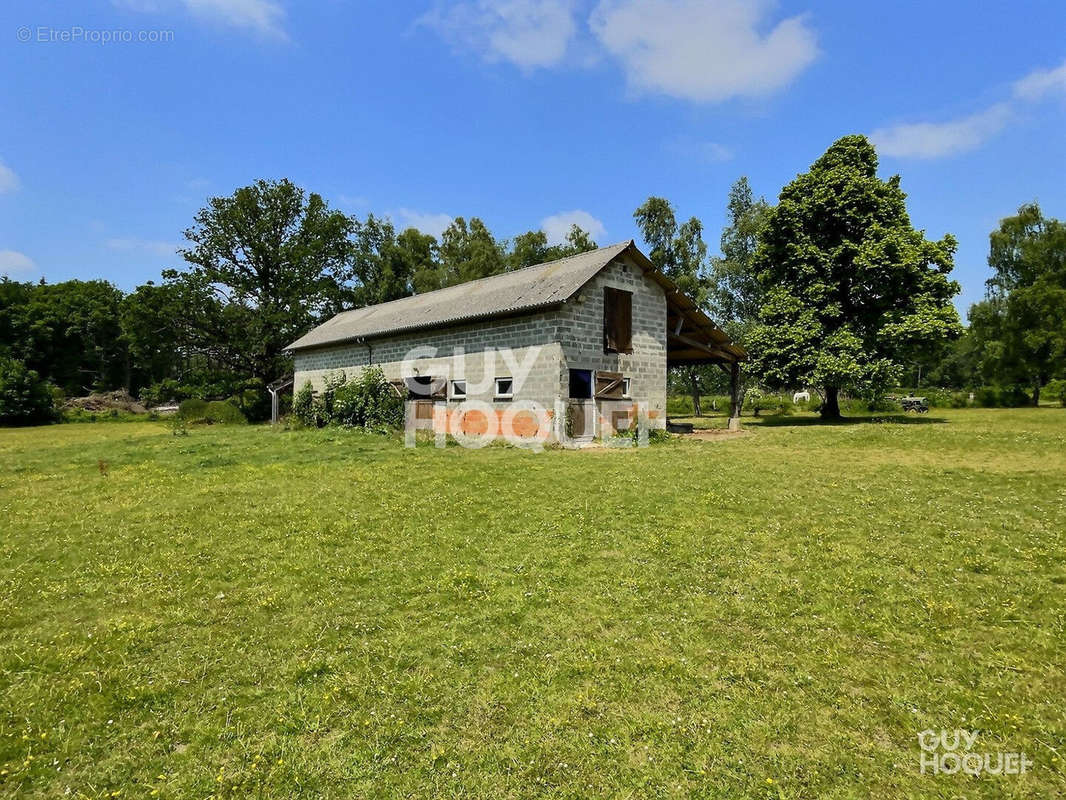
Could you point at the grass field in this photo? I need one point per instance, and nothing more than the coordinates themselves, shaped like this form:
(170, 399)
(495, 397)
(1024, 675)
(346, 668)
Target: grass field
(248, 612)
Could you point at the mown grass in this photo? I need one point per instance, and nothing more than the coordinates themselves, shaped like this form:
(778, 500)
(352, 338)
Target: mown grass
(249, 612)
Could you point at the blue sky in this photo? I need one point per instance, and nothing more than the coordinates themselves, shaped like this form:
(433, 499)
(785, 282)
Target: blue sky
(527, 113)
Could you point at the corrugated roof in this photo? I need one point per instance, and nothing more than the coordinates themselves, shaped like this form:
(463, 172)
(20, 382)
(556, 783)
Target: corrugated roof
(539, 286)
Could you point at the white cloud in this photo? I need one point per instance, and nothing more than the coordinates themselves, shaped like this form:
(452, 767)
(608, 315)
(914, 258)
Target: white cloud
(528, 33)
(703, 50)
(558, 225)
(1040, 82)
(9, 181)
(12, 262)
(433, 224)
(149, 246)
(938, 139)
(264, 17)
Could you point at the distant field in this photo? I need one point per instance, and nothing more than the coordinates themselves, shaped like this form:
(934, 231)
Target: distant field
(247, 612)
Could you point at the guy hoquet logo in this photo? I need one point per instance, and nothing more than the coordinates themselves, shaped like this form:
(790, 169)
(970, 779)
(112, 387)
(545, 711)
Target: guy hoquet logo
(949, 752)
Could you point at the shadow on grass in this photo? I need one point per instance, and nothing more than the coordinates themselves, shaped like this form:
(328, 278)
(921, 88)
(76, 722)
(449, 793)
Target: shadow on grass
(784, 420)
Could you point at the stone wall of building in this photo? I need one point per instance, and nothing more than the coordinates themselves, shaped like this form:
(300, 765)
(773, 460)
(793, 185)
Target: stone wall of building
(537, 350)
(525, 348)
(581, 335)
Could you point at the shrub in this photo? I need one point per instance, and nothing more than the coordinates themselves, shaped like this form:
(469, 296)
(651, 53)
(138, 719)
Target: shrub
(758, 401)
(368, 402)
(681, 405)
(193, 408)
(213, 412)
(1056, 390)
(883, 405)
(303, 405)
(935, 396)
(331, 382)
(1001, 397)
(253, 399)
(223, 412)
(960, 399)
(25, 399)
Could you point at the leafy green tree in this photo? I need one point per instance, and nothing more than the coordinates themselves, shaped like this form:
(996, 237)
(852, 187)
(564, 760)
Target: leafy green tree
(1020, 328)
(736, 293)
(578, 241)
(531, 248)
(154, 321)
(387, 266)
(469, 252)
(852, 289)
(67, 332)
(276, 257)
(25, 399)
(679, 252)
(958, 367)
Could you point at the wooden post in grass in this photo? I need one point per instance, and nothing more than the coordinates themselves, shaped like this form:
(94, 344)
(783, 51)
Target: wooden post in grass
(734, 396)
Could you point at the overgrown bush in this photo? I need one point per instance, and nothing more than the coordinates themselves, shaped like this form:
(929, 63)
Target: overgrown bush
(303, 405)
(213, 412)
(960, 399)
(25, 399)
(367, 402)
(193, 408)
(253, 399)
(1056, 390)
(247, 394)
(883, 405)
(1001, 397)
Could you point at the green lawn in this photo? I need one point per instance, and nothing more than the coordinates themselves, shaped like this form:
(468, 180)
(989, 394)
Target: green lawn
(247, 612)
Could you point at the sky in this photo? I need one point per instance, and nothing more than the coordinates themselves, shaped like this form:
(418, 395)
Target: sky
(119, 118)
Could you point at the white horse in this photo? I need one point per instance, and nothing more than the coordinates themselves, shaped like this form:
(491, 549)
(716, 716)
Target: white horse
(801, 397)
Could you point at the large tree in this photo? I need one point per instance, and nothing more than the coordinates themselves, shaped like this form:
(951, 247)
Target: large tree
(679, 252)
(853, 291)
(1020, 329)
(736, 293)
(68, 332)
(531, 247)
(276, 257)
(470, 251)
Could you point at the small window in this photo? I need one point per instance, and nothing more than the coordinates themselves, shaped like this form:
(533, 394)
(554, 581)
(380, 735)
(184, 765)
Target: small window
(504, 388)
(581, 384)
(625, 388)
(617, 320)
(424, 387)
(458, 390)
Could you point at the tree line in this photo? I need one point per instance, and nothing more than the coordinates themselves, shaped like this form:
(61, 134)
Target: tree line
(263, 265)
(830, 288)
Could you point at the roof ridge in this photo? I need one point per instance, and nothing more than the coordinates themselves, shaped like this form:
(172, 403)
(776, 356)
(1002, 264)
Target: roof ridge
(621, 244)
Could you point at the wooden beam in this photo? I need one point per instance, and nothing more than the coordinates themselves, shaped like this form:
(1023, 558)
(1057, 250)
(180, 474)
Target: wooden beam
(692, 343)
